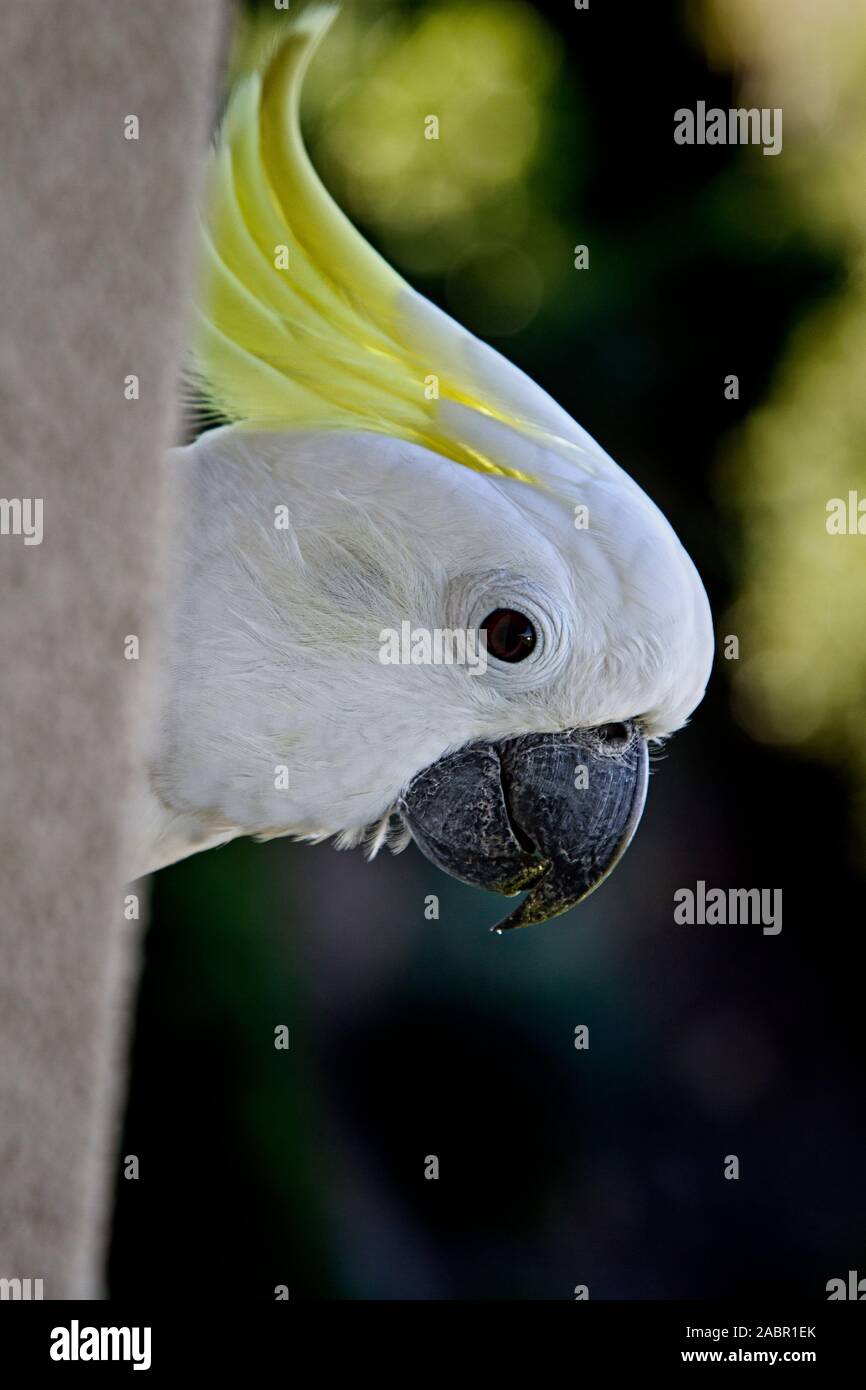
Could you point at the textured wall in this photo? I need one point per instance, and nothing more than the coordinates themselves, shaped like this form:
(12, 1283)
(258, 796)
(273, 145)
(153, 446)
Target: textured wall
(96, 242)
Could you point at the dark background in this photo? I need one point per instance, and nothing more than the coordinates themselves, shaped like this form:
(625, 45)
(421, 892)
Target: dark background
(412, 1037)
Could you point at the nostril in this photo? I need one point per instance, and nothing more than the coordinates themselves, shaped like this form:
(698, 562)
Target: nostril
(614, 735)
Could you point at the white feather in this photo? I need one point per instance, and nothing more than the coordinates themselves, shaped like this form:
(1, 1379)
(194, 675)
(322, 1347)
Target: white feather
(272, 643)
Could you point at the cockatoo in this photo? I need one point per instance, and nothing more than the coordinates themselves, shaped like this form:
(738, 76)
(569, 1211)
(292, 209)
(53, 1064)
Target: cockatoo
(386, 472)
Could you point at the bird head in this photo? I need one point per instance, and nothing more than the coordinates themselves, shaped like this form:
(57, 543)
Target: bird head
(472, 621)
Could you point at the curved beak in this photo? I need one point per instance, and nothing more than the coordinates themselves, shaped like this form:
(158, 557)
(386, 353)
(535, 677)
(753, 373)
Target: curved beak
(553, 813)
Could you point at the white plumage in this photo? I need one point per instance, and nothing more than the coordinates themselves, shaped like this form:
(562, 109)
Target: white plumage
(435, 512)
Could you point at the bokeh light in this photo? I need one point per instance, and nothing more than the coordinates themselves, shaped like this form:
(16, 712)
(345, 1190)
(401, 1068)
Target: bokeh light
(799, 612)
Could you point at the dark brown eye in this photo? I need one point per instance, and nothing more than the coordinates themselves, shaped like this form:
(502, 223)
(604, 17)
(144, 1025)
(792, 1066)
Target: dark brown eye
(510, 635)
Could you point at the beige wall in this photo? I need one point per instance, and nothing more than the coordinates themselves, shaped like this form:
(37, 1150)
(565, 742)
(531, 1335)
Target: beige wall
(96, 240)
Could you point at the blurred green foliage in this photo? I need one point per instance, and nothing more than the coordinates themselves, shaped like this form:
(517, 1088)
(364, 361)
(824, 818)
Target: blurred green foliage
(801, 602)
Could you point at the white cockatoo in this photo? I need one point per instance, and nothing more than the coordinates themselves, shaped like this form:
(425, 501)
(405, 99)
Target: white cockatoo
(385, 472)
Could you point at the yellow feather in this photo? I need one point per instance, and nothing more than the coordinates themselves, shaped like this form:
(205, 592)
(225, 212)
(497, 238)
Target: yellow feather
(335, 339)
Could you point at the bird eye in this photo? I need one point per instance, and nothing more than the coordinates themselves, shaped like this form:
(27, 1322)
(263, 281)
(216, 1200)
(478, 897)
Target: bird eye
(510, 635)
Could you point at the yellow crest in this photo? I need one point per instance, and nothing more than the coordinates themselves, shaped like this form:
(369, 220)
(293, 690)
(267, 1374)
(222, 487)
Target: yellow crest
(300, 324)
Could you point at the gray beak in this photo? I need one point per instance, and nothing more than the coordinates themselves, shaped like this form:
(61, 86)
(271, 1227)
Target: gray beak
(553, 813)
